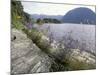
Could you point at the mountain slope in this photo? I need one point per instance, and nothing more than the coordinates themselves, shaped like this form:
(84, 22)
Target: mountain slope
(18, 16)
(80, 15)
(41, 16)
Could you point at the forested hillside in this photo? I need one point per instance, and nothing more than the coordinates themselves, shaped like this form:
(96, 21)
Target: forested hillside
(18, 17)
(80, 15)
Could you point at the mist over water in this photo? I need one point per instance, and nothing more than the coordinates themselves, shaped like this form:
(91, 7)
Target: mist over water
(79, 36)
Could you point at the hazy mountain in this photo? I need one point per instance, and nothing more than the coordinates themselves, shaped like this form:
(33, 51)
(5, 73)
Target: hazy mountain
(80, 15)
(36, 16)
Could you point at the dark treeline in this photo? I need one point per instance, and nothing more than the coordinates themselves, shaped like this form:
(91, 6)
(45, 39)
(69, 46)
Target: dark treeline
(47, 20)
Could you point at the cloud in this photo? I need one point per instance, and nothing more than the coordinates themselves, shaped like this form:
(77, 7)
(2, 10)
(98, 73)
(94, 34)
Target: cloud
(49, 9)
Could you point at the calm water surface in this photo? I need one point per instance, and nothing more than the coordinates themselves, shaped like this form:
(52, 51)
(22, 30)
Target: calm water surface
(83, 36)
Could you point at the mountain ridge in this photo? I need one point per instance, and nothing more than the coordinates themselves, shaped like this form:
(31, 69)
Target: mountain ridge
(80, 15)
(41, 16)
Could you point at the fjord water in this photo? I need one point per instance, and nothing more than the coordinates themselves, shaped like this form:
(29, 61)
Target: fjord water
(81, 36)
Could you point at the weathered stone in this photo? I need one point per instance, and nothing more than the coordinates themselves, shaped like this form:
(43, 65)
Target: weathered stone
(26, 57)
(78, 60)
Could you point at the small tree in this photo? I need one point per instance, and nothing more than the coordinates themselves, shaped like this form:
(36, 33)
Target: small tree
(39, 21)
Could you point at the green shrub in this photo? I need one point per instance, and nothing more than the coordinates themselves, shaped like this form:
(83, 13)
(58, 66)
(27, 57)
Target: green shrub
(78, 65)
(18, 25)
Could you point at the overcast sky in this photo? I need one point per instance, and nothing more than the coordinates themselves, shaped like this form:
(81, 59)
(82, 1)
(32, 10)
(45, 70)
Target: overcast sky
(54, 9)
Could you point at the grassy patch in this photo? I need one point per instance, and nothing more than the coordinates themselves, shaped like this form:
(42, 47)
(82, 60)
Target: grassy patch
(77, 65)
